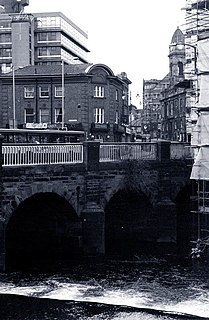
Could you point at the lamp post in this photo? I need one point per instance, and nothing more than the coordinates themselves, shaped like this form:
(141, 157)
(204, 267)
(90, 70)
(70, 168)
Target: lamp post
(13, 97)
(63, 94)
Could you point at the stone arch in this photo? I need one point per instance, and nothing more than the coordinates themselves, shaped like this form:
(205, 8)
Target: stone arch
(129, 216)
(42, 228)
(21, 195)
(148, 187)
(178, 186)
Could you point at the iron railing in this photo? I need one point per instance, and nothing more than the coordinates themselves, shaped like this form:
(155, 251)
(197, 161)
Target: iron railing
(125, 151)
(20, 155)
(44, 154)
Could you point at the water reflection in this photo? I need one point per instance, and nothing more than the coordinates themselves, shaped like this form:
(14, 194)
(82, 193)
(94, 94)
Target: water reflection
(147, 285)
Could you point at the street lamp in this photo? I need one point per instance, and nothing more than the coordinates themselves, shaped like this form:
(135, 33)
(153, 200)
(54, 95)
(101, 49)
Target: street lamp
(63, 94)
(13, 97)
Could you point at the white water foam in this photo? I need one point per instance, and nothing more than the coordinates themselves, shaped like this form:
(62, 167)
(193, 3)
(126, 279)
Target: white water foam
(199, 306)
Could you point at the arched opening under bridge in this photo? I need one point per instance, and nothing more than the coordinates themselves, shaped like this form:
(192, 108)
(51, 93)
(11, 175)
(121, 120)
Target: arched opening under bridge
(43, 231)
(130, 224)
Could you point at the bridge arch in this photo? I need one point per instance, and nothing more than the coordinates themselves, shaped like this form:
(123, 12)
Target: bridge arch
(129, 221)
(44, 228)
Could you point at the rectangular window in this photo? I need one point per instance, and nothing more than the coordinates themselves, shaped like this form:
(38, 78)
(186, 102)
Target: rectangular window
(99, 115)
(44, 115)
(116, 117)
(49, 51)
(99, 92)
(5, 38)
(44, 92)
(42, 36)
(116, 95)
(5, 53)
(58, 91)
(48, 36)
(29, 115)
(29, 92)
(5, 24)
(58, 115)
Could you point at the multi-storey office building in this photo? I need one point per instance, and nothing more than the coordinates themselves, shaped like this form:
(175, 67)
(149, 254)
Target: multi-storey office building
(42, 38)
(151, 121)
(82, 96)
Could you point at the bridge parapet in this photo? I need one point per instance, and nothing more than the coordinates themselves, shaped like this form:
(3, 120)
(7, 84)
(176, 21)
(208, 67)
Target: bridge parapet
(92, 152)
(21, 155)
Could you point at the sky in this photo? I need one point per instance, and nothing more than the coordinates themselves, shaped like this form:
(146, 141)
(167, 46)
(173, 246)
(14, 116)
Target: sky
(128, 36)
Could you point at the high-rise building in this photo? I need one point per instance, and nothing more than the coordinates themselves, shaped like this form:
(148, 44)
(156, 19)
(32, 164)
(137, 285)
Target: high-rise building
(37, 39)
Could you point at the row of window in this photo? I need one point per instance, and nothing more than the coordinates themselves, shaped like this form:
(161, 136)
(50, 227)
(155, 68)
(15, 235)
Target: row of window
(49, 51)
(44, 92)
(5, 53)
(172, 108)
(171, 126)
(44, 115)
(48, 36)
(5, 38)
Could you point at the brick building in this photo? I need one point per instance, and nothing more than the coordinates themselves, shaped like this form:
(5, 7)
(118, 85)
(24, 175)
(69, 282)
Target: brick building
(94, 99)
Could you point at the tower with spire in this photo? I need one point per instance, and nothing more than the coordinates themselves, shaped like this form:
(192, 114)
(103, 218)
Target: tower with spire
(177, 57)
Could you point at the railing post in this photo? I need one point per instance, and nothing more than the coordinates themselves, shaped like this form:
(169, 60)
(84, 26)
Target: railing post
(91, 151)
(163, 150)
(2, 220)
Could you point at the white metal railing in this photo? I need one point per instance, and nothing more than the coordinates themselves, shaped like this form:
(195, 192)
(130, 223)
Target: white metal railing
(43, 154)
(20, 155)
(120, 151)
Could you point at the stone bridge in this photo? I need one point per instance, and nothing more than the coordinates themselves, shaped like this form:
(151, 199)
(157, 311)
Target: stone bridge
(97, 206)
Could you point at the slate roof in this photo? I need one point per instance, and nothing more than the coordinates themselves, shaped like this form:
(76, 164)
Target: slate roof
(51, 70)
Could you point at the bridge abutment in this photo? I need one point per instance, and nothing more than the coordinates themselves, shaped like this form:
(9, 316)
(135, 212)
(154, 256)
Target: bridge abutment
(2, 245)
(167, 226)
(93, 218)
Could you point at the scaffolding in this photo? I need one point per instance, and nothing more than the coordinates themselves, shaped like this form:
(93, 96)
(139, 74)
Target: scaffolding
(197, 36)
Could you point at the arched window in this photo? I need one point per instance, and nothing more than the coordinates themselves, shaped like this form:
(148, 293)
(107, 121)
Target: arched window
(181, 69)
(171, 68)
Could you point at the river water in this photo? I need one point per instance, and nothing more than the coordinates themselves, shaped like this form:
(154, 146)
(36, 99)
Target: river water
(146, 288)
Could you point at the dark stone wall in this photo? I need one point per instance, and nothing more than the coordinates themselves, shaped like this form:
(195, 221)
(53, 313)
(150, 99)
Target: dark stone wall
(89, 189)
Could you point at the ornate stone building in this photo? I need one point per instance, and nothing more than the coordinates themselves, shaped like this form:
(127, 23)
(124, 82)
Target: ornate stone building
(174, 111)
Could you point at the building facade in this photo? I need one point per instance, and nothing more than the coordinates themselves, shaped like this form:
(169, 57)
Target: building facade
(174, 110)
(42, 38)
(152, 95)
(83, 96)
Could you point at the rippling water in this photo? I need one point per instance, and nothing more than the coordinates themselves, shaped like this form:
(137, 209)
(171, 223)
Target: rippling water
(99, 290)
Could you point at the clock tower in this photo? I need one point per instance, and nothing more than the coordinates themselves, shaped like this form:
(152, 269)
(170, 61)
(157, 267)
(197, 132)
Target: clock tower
(177, 57)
